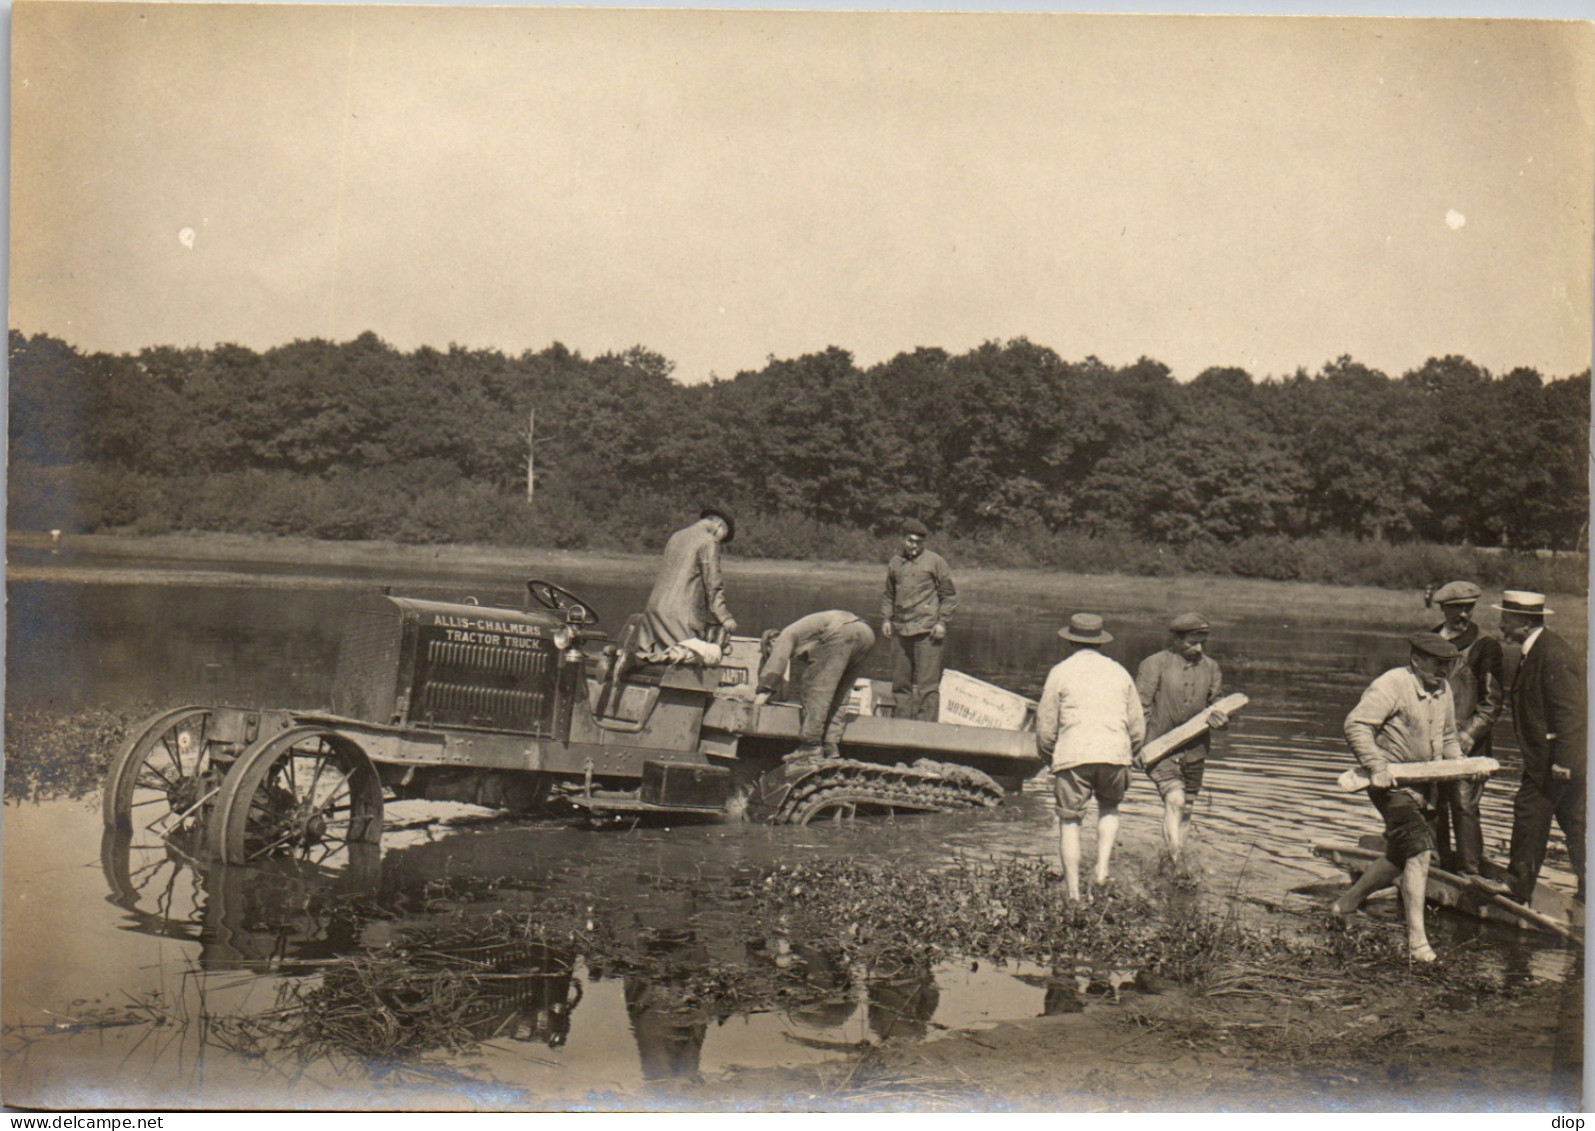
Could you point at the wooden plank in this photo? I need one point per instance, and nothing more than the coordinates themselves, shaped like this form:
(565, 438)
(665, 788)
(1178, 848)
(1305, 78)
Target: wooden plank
(1442, 769)
(1168, 742)
(1456, 892)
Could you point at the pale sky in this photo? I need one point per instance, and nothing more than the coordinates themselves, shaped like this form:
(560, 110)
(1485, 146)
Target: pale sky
(722, 186)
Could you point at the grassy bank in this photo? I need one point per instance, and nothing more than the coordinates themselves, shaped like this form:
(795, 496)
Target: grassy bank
(80, 499)
(31, 560)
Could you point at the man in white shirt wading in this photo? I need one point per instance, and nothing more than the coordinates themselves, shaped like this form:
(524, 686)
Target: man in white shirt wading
(1089, 723)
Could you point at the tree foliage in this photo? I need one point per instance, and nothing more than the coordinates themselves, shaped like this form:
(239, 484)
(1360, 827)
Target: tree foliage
(1006, 438)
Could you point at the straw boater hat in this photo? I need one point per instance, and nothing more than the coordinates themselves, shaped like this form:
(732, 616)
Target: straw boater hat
(1522, 601)
(1086, 628)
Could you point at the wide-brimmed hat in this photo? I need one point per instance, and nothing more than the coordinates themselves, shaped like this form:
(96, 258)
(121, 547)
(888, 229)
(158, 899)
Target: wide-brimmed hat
(1522, 601)
(725, 513)
(1457, 593)
(1433, 644)
(1086, 628)
(1189, 622)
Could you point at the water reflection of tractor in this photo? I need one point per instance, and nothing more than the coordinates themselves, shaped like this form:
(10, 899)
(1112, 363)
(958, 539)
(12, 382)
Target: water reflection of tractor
(531, 710)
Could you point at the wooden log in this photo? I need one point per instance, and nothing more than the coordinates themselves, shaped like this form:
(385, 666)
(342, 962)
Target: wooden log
(1457, 892)
(1168, 742)
(1443, 769)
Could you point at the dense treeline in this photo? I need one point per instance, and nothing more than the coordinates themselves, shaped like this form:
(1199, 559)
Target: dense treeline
(1006, 445)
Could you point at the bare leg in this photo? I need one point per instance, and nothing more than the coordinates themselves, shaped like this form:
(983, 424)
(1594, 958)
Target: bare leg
(1174, 821)
(1107, 833)
(1380, 874)
(1069, 852)
(1414, 887)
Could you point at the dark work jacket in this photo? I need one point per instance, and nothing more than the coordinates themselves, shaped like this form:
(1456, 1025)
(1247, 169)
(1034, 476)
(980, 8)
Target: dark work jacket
(1478, 686)
(1549, 709)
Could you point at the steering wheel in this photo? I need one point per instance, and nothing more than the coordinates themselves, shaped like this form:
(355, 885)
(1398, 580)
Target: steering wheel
(562, 601)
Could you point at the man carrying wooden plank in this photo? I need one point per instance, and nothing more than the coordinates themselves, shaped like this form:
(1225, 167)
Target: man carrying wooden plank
(1406, 715)
(1175, 684)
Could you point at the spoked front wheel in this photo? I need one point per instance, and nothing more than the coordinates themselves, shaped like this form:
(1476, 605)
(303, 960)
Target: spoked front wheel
(164, 780)
(305, 794)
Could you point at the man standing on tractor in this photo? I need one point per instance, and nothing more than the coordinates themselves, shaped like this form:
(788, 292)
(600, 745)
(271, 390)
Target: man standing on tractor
(688, 597)
(918, 602)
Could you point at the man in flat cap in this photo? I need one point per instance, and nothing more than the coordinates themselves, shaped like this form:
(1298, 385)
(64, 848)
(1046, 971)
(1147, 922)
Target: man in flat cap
(916, 605)
(1089, 724)
(1406, 715)
(1478, 696)
(1174, 685)
(1550, 714)
(689, 594)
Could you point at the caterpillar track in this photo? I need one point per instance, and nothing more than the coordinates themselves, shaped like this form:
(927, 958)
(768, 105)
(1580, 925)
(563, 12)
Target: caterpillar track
(800, 791)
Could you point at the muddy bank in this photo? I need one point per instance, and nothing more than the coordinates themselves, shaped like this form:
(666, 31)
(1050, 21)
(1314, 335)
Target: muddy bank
(242, 550)
(1187, 1051)
(1154, 1000)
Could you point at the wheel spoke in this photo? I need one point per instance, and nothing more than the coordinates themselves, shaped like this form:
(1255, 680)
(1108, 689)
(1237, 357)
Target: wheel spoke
(186, 813)
(332, 794)
(316, 777)
(162, 778)
(274, 845)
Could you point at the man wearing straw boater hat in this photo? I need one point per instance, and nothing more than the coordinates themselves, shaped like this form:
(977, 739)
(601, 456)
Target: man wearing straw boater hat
(1478, 693)
(1406, 715)
(1549, 713)
(1089, 723)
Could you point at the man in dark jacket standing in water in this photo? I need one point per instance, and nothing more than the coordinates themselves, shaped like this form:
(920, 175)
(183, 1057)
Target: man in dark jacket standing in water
(1549, 710)
(915, 608)
(1478, 694)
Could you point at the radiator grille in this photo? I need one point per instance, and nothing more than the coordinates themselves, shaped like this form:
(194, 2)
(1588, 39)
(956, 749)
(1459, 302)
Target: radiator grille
(519, 663)
(464, 683)
(365, 686)
(472, 701)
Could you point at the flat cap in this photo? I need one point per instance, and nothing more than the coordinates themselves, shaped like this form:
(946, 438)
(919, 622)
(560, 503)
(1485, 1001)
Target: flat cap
(914, 526)
(1457, 593)
(1433, 644)
(1189, 622)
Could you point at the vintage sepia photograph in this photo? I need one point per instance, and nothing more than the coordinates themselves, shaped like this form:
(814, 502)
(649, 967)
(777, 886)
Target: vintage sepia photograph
(657, 560)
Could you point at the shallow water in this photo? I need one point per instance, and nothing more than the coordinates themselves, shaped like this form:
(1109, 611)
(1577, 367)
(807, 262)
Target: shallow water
(85, 928)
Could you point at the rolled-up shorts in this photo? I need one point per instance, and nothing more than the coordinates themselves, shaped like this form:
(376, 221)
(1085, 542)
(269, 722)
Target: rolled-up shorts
(1409, 821)
(1184, 770)
(1073, 787)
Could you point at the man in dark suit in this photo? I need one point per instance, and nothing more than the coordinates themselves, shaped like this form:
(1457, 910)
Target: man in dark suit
(1548, 701)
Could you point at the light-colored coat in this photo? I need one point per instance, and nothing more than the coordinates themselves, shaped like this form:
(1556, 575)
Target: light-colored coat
(689, 594)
